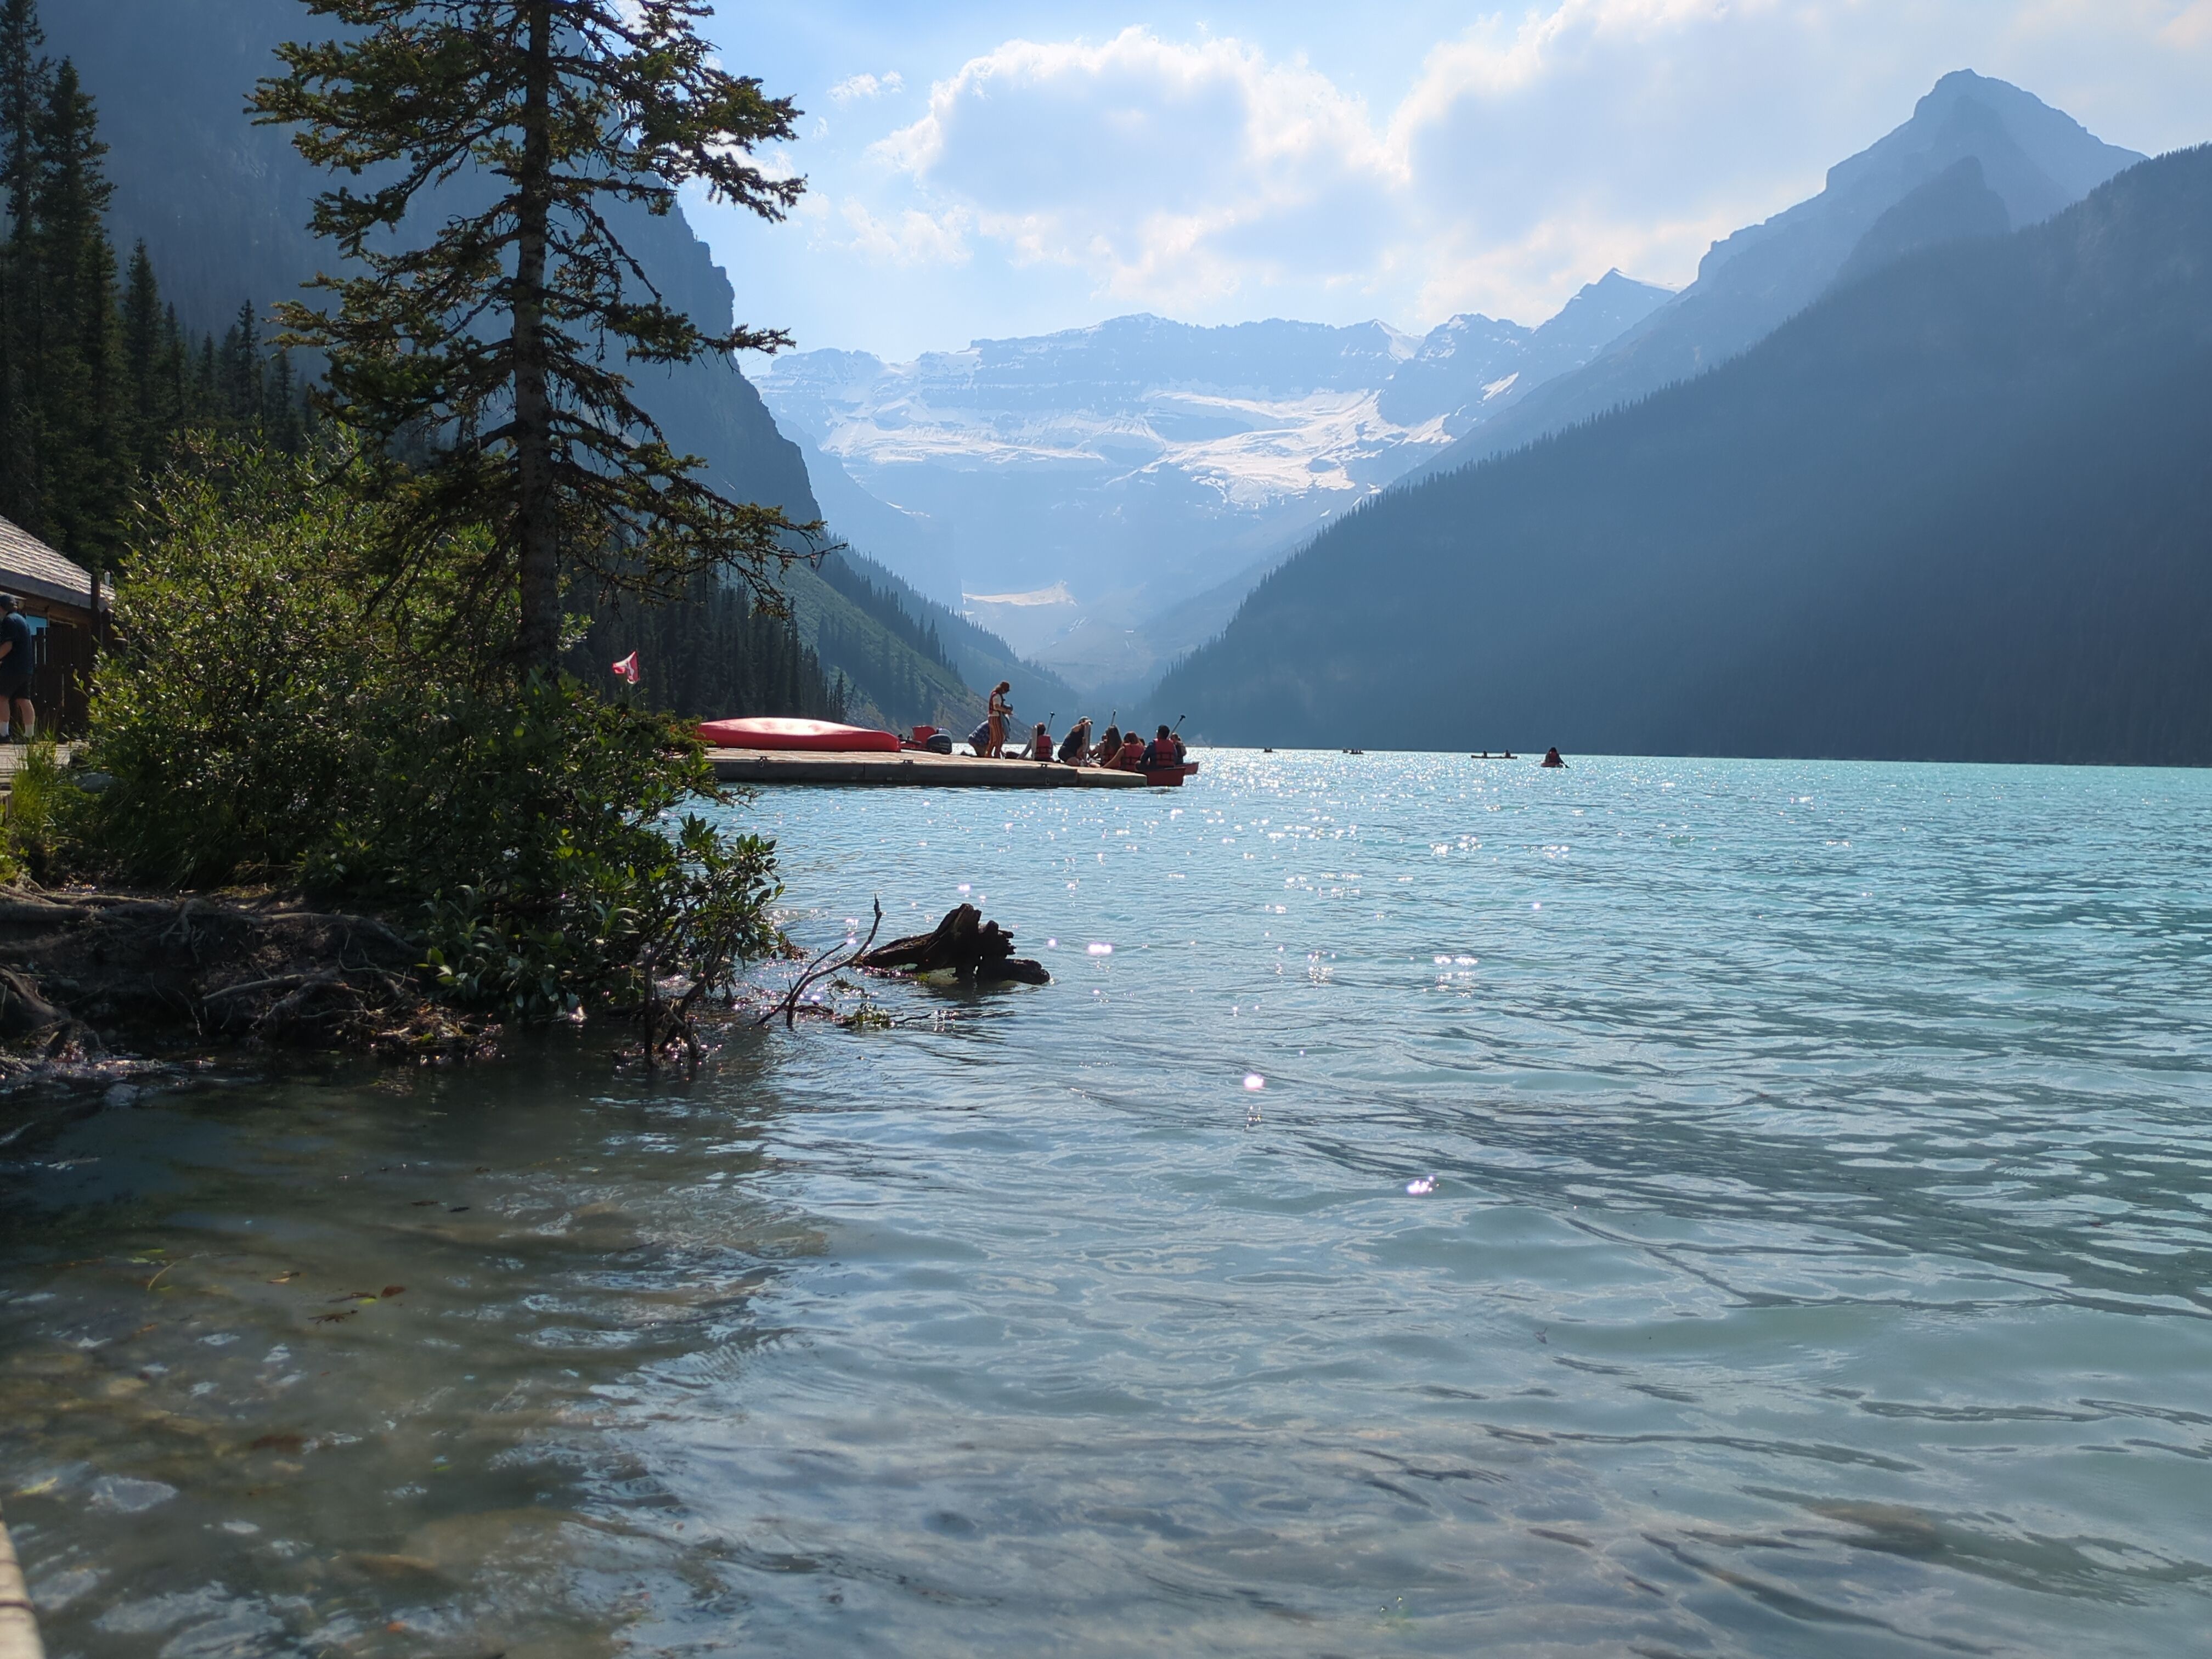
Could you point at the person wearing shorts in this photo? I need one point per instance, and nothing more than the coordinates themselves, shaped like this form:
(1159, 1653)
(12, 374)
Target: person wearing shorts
(18, 655)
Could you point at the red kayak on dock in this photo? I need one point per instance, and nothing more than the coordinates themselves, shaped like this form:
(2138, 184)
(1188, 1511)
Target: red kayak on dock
(770, 732)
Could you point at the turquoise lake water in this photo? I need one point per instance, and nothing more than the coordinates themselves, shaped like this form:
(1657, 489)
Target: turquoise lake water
(1664, 1207)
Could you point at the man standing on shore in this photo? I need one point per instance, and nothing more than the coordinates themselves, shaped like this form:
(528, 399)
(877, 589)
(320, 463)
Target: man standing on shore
(18, 655)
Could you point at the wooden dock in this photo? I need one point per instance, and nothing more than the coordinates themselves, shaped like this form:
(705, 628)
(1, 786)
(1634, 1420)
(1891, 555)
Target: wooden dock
(914, 768)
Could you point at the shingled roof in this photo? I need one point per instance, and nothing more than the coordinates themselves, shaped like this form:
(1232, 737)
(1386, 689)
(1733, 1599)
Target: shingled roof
(28, 567)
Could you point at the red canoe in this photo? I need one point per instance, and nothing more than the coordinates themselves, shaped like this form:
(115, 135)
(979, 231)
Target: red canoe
(769, 732)
(1169, 777)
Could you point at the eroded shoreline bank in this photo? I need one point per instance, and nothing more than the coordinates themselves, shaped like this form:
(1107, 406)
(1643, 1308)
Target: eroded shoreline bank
(92, 978)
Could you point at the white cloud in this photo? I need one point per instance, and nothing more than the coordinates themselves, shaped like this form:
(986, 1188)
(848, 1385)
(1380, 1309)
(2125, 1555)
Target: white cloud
(1357, 165)
(854, 87)
(911, 238)
(1162, 169)
(1526, 158)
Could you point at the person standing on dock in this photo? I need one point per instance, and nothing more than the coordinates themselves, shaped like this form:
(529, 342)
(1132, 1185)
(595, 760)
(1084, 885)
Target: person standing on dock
(1002, 712)
(18, 655)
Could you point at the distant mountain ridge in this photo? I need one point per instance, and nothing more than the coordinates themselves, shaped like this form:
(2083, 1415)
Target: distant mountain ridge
(2032, 159)
(1140, 460)
(1955, 509)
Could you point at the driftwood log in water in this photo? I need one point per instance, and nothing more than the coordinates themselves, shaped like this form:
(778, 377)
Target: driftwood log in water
(973, 950)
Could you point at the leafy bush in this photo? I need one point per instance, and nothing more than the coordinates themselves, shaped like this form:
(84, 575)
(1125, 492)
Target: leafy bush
(276, 711)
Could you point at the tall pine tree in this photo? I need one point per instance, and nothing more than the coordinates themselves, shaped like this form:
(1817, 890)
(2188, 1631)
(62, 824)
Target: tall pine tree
(504, 336)
(23, 84)
(83, 480)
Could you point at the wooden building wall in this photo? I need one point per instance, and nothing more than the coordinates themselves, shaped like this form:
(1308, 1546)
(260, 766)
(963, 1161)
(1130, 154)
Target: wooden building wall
(61, 680)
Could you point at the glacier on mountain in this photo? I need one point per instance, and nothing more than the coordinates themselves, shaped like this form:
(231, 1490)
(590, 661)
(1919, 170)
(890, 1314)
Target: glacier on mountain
(1141, 462)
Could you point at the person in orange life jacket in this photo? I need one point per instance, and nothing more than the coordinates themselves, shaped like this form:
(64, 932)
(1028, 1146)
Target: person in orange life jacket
(1164, 749)
(1131, 757)
(1040, 743)
(1109, 748)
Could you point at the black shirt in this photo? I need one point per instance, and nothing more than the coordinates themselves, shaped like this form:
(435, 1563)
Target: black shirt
(19, 662)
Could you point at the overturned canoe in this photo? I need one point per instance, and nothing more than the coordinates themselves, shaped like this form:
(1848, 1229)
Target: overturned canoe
(768, 731)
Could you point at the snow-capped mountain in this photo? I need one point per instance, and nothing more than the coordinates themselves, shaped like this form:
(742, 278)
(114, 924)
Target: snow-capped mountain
(1098, 476)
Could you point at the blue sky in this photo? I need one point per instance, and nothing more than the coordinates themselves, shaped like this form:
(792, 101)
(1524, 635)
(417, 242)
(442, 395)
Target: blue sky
(1008, 168)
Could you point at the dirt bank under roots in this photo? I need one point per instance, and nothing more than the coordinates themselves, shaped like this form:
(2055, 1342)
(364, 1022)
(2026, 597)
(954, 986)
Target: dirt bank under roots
(85, 971)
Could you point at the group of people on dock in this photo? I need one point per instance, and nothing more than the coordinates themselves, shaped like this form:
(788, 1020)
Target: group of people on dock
(1118, 751)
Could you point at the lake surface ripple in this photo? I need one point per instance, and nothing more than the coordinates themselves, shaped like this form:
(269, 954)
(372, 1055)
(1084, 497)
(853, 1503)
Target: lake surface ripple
(1664, 1207)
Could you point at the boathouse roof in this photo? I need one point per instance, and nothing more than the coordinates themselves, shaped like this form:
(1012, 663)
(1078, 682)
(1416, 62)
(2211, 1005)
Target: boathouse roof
(34, 572)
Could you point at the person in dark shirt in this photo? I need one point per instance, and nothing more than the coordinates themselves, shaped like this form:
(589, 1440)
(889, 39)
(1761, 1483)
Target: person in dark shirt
(18, 655)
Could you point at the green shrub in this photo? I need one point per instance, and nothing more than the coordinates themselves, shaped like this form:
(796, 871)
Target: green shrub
(276, 710)
(34, 795)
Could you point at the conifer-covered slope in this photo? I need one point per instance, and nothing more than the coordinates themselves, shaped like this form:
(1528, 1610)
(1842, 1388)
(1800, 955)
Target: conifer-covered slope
(1957, 510)
(98, 376)
(223, 206)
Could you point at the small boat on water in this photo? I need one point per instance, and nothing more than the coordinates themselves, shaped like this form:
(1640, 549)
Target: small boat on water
(774, 732)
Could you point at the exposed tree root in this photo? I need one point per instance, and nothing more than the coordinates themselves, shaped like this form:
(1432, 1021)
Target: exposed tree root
(81, 968)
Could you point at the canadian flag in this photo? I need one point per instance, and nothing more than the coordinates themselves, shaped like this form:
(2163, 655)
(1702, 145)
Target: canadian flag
(627, 670)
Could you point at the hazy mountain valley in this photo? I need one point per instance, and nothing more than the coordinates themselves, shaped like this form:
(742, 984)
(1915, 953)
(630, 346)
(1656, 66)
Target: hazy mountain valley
(1078, 491)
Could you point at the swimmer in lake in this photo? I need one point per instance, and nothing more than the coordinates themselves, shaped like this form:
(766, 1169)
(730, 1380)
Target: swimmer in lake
(1552, 758)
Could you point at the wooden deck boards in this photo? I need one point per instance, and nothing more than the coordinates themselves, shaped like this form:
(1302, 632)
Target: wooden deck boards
(914, 768)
